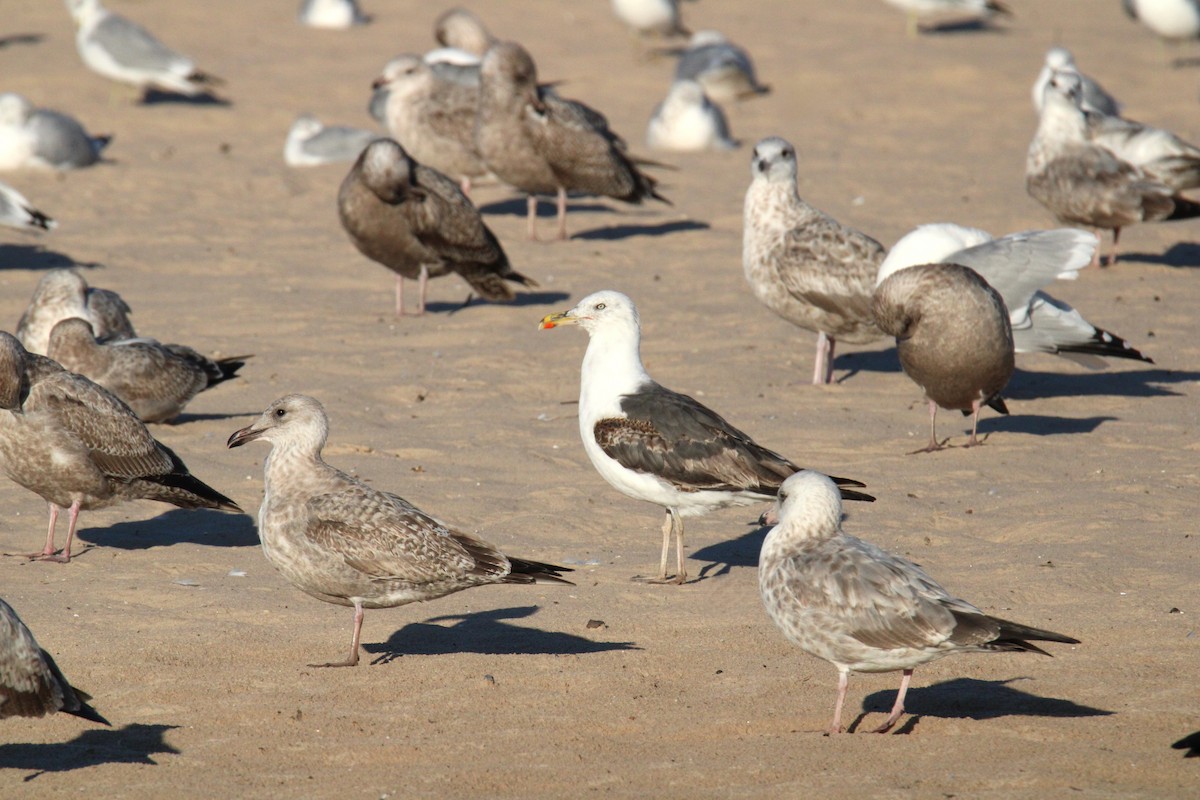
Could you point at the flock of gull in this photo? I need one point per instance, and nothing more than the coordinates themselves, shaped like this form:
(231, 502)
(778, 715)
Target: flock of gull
(78, 385)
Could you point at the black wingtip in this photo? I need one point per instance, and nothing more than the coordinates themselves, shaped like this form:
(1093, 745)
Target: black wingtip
(87, 712)
(850, 494)
(539, 571)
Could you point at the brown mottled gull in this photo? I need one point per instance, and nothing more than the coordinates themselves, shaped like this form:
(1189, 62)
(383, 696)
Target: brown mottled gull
(861, 608)
(540, 143)
(31, 684)
(79, 447)
(653, 444)
(343, 542)
(155, 380)
(459, 29)
(413, 220)
(953, 336)
(62, 294)
(803, 264)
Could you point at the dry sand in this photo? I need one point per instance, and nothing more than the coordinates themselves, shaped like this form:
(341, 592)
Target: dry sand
(1078, 515)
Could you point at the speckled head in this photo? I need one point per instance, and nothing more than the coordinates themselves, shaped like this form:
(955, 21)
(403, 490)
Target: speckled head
(808, 505)
(774, 160)
(292, 420)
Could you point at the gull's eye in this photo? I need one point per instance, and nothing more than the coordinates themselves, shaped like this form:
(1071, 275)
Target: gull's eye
(599, 306)
(280, 413)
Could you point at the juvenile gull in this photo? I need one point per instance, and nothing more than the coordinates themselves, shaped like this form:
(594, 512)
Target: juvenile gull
(653, 444)
(801, 263)
(459, 29)
(341, 541)
(310, 143)
(31, 684)
(17, 212)
(1018, 266)
(42, 138)
(62, 294)
(1093, 96)
(155, 380)
(859, 607)
(688, 121)
(79, 447)
(417, 223)
(121, 50)
(650, 17)
(540, 143)
(1172, 20)
(1083, 183)
(720, 66)
(953, 337)
(915, 9)
(331, 14)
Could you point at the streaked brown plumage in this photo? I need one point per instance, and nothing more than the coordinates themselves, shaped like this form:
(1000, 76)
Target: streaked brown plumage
(62, 294)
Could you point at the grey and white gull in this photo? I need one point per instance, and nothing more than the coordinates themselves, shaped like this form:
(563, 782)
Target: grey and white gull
(1170, 20)
(311, 143)
(1093, 96)
(660, 446)
(17, 212)
(724, 69)
(331, 14)
(43, 138)
(983, 10)
(650, 17)
(64, 293)
(861, 608)
(803, 264)
(687, 121)
(344, 542)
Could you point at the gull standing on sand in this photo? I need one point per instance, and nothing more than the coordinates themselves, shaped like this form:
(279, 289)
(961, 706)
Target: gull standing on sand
(1093, 96)
(31, 684)
(803, 264)
(687, 121)
(720, 66)
(953, 337)
(1018, 266)
(311, 143)
(416, 222)
(62, 294)
(859, 607)
(42, 138)
(540, 143)
(79, 447)
(331, 14)
(650, 17)
(1083, 183)
(121, 50)
(653, 444)
(915, 9)
(17, 212)
(155, 380)
(1172, 20)
(341, 541)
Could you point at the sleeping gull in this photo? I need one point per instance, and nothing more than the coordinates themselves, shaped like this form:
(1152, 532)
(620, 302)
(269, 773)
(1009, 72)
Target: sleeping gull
(62, 294)
(79, 447)
(720, 66)
(40, 137)
(1018, 266)
(457, 29)
(31, 684)
(416, 222)
(155, 380)
(801, 263)
(650, 17)
(653, 444)
(540, 143)
(123, 51)
(1172, 20)
(915, 9)
(344, 542)
(861, 608)
(310, 143)
(331, 14)
(1083, 183)
(688, 121)
(953, 337)
(17, 212)
(1093, 97)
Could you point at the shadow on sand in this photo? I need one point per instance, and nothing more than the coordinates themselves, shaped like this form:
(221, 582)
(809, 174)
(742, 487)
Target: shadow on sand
(133, 744)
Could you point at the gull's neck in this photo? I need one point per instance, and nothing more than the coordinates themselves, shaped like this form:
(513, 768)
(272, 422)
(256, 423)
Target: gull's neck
(612, 366)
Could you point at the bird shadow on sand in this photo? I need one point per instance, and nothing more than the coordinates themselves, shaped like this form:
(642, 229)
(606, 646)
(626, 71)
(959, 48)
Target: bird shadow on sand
(1190, 744)
(486, 633)
(866, 361)
(522, 300)
(1181, 254)
(37, 256)
(965, 26)
(971, 698)
(133, 744)
(1039, 424)
(21, 38)
(179, 526)
(155, 97)
(515, 207)
(1151, 382)
(613, 233)
(723, 556)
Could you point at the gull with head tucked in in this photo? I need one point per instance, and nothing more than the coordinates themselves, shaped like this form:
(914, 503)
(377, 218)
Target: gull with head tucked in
(331, 14)
(687, 121)
(653, 444)
(341, 541)
(44, 139)
(861, 608)
(62, 294)
(311, 143)
(915, 9)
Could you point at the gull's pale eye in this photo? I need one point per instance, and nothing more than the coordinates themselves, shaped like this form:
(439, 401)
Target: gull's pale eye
(599, 306)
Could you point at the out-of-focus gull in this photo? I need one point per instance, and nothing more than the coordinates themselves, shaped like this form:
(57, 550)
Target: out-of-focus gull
(17, 212)
(540, 143)
(62, 294)
(1083, 183)
(653, 444)
(31, 684)
(40, 137)
(953, 337)
(1018, 266)
(458, 29)
(801, 263)
(155, 380)
(686, 120)
(416, 222)
(341, 541)
(1093, 97)
(309, 142)
(651, 17)
(121, 50)
(80, 448)
(915, 9)
(1162, 155)
(720, 66)
(861, 608)
(1173, 20)
(331, 14)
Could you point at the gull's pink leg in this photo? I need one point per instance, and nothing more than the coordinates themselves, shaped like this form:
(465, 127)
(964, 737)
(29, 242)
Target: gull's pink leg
(975, 406)
(48, 550)
(819, 364)
(830, 344)
(668, 528)
(399, 295)
(531, 217)
(48, 554)
(898, 707)
(1112, 256)
(843, 684)
(562, 213)
(933, 445)
(423, 285)
(465, 185)
(353, 658)
(680, 569)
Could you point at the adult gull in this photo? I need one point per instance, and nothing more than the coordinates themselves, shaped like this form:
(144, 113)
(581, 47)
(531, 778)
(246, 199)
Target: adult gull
(687, 121)
(43, 138)
(17, 212)
(311, 143)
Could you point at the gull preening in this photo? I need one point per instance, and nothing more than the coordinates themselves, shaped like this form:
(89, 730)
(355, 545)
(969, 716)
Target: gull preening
(17, 212)
(687, 121)
(341, 541)
(311, 143)
(62, 294)
(861, 608)
(331, 14)
(80, 448)
(43, 138)
(803, 264)
(720, 66)
(1093, 96)
(653, 444)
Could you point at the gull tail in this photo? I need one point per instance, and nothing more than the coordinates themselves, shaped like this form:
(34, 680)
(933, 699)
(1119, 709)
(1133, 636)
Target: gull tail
(1184, 208)
(1013, 636)
(524, 571)
(1104, 343)
(850, 494)
(38, 220)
